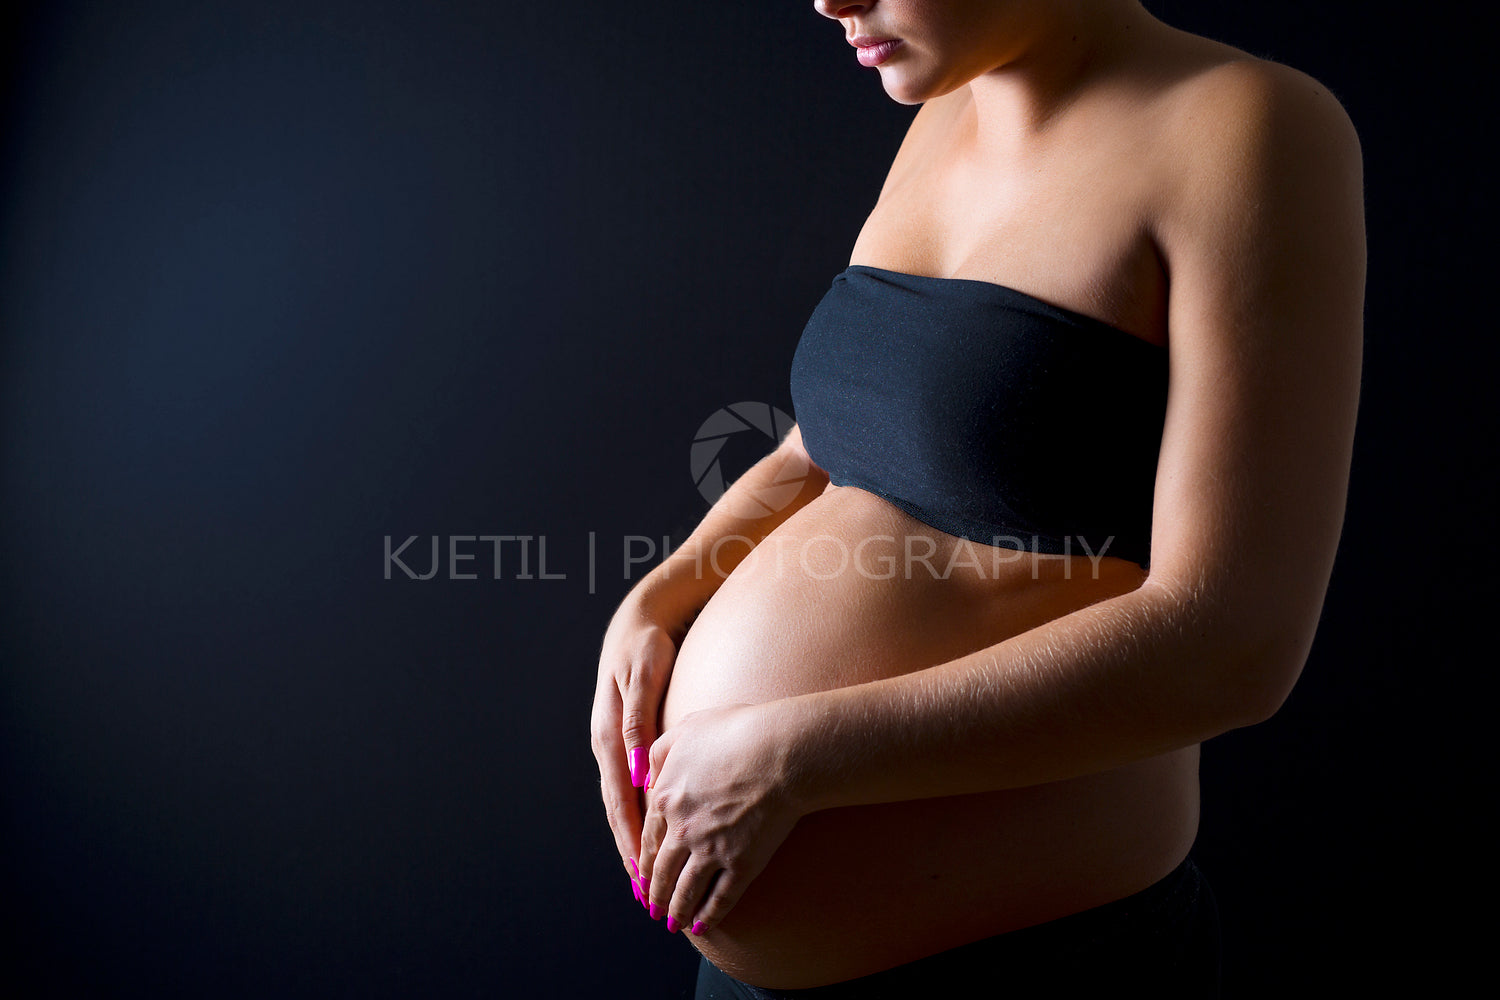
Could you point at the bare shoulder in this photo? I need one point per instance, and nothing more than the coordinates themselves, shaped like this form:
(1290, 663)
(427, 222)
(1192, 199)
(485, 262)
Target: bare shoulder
(1248, 124)
(1257, 165)
(1235, 81)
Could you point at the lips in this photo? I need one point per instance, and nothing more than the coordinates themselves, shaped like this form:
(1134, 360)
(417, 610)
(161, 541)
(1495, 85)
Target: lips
(872, 50)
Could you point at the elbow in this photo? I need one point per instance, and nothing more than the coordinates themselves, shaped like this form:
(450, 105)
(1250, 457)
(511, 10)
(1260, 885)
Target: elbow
(1241, 667)
(1256, 677)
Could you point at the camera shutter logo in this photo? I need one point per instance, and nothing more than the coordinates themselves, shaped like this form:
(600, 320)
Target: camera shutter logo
(768, 424)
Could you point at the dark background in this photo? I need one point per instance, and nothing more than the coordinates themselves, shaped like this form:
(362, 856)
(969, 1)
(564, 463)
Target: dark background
(279, 279)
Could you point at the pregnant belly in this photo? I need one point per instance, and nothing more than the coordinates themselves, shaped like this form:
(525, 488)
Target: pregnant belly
(851, 589)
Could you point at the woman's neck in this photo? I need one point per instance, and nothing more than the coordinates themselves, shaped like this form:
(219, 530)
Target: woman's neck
(1052, 55)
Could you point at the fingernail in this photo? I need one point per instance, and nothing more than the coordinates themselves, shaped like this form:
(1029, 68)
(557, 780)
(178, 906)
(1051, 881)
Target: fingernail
(634, 871)
(655, 912)
(648, 780)
(698, 927)
(637, 891)
(638, 766)
(671, 924)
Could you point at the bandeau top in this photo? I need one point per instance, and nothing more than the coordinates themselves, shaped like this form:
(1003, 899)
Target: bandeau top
(984, 412)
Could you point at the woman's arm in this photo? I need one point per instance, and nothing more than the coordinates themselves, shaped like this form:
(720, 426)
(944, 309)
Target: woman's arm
(755, 505)
(1262, 231)
(645, 632)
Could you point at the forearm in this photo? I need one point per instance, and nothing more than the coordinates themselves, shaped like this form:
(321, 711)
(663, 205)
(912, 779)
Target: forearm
(1115, 682)
(758, 502)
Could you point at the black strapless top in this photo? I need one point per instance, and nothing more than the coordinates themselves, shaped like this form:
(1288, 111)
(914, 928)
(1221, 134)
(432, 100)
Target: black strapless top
(984, 412)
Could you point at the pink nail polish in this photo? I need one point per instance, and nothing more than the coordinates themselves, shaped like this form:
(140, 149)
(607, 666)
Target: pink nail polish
(671, 924)
(634, 871)
(655, 912)
(636, 890)
(698, 928)
(638, 766)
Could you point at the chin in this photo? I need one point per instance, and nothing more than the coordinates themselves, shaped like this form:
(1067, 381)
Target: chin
(900, 99)
(904, 91)
(907, 93)
(909, 81)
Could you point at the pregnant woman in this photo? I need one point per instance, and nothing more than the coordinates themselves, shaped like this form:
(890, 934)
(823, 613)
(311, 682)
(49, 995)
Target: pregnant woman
(918, 704)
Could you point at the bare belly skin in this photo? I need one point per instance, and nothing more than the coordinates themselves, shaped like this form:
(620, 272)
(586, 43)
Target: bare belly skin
(824, 603)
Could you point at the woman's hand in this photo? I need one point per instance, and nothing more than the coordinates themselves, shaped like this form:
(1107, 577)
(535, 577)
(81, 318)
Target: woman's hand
(634, 665)
(719, 804)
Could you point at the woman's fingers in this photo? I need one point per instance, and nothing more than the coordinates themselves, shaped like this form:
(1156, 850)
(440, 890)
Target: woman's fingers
(725, 891)
(622, 806)
(642, 681)
(622, 802)
(634, 666)
(653, 832)
(701, 892)
(697, 880)
(638, 729)
(666, 868)
(716, 810)
(653, 824)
